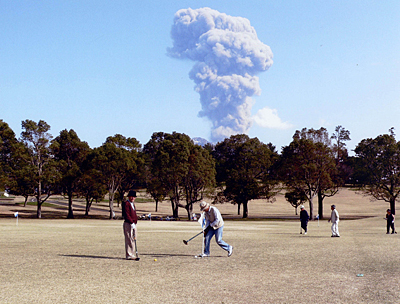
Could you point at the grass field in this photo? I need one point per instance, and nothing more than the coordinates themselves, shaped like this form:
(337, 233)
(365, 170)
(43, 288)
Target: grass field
(82, 260)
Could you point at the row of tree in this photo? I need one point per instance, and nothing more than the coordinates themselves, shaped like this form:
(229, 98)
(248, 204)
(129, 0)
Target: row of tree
(171, 167)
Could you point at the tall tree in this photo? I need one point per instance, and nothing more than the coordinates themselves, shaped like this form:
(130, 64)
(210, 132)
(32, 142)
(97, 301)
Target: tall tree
(343, 162)
(167, 157)
(155, 188)
(340, 136)
(8, 145)
(115, 159)
(243, 167)
(295, 198)
(381, 159)
(308, 166)
(200, 178)
(23, 174)
(91, 185)
(70, 153)
(36, 138)
(133, 174)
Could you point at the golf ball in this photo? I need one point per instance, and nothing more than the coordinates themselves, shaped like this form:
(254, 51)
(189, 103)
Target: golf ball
(155, 260)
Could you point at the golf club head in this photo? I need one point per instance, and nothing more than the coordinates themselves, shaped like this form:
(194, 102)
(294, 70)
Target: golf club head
(137, 259)
(185, 242)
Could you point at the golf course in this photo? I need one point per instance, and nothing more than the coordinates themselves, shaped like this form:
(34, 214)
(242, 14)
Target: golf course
(82, 260)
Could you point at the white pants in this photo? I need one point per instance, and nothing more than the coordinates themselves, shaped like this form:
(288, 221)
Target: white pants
(335, 229)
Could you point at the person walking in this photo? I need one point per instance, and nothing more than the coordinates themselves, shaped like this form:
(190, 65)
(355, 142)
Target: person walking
(304, 217)
(214, 226)
(390, 222)
(130, 221)
(335, 221)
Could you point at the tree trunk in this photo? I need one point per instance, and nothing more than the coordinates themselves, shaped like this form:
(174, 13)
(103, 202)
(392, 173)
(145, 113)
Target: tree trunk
(174, 208)
(311, 208)
(176, 213)
(156, 205)
(70, 210)
(39, 209)
(245, 210)
(320, 205)
(393, 205)
(238, 208)
(88, 205)
(111, 205)
(188, 212)
(26, 200)
(39, 204)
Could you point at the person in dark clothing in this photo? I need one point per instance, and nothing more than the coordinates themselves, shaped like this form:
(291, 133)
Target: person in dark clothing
(389, 221)
(303, 219)
(130, 221)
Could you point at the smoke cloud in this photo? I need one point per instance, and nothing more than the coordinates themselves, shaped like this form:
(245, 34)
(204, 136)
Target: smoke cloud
(228, 55)
(268, 118)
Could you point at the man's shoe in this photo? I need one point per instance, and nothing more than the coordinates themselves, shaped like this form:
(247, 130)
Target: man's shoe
(230, 251)
(203, 255)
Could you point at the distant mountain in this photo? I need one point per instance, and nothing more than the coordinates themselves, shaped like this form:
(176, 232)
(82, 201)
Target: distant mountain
(200, 141)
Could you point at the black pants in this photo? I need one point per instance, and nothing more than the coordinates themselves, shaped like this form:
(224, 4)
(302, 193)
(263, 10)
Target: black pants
(304, 225)
(389, 225)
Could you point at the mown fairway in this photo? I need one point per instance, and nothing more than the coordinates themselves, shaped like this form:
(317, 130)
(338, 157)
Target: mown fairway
(81, 261)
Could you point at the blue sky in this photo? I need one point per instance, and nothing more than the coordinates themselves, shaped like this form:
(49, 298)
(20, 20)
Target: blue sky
(101, 67)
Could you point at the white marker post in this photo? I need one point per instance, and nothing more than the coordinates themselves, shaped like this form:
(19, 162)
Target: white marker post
(16, 215)
(202, 222)
(317, 217)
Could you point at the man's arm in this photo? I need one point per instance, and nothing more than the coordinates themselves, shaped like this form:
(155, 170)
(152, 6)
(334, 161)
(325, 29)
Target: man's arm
(218, 218)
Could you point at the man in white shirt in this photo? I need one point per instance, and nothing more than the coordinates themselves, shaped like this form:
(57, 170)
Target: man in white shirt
(214, 226)
(335, 221)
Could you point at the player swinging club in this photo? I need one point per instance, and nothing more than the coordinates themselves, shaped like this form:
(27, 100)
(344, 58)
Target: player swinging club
(214, 226)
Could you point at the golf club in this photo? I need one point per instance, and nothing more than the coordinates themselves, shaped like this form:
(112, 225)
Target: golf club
(186, 242)
(137, 256)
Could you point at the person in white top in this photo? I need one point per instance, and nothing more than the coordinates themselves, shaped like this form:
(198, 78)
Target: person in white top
(214, 226)
(335, 221)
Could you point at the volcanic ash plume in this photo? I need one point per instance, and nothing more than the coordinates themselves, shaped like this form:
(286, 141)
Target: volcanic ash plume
(228, 55)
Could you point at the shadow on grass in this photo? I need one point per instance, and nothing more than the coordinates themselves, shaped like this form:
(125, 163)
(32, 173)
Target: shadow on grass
(160, 255)
(91, 256)
(152, 255)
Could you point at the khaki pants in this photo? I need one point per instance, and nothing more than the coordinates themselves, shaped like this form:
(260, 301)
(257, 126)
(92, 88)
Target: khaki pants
(130, 236)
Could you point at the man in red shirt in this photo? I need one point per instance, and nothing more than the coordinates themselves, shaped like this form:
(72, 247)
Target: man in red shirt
(130, 221)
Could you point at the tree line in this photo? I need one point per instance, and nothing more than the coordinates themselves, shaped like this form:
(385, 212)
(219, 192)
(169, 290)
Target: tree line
(237, 170)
